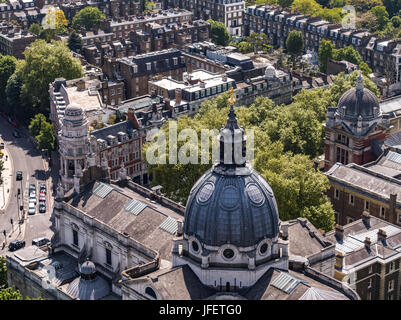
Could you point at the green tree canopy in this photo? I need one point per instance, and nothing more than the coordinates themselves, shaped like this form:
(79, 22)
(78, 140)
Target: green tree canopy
(285, 3)
(306, 6)
(35, 29)
(325, 53)
(46, 138)
(45, 62)
(7, 68)
(295, 44)
(36, 124)
(381, 15)
(88, 17)
(299, 179)
(75, 42)
(3, 273)
(219, 33)
(365, 5)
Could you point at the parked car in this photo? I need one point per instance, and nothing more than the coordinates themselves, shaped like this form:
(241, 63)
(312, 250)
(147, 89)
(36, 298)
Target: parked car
(42, 207)
(15, 245)
(40, 241)
(19, 175)
(32, 187)
(43, 188)
(31, 208)
(32, 199)
(42, 196)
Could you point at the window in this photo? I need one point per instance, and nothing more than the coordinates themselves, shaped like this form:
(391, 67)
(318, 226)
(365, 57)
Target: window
(366, 205)
(390, 286)
(370, 283)
(351, 199)
(337, 194)
(382, 212)
(370, 269)
(75, 237)
(392, 265)
(108, 257)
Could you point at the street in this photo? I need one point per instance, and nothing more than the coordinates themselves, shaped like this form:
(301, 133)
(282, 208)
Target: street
(25, 158)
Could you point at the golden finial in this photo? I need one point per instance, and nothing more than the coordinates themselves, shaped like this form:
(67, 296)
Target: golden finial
(232, 100)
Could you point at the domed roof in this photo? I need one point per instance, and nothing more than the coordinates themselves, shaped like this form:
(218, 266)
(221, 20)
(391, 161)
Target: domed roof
(270, 72)
(73, 109)
(239, 209)
(357, 102)
(88, 268)
(231, 203)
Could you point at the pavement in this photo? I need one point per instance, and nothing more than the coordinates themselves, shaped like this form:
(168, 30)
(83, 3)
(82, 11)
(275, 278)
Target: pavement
(24, 156)
(7, 178)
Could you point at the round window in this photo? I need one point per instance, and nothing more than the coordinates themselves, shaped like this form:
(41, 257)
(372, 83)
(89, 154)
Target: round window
(228, 253)
(263, 248)
(195, 246)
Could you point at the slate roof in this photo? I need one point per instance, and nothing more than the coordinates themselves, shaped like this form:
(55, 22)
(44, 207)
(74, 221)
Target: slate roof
(353, 246)
(304, 239)
(124, 126)
(365, 181)
(143, 227)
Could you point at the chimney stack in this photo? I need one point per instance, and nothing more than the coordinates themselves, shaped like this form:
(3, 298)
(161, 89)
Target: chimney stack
(284, 230)
(177, 96)
(339, 260)
(366, 219)
(81, 85)
(339, 232)
(381, 235)
(367, 243)
(132, 117)
(393, 203)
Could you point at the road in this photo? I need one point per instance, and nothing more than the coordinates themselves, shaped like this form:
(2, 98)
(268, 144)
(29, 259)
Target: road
(27, 159)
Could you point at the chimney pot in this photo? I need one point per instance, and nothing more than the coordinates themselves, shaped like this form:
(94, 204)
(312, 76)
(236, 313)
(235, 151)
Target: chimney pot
(381, 235)
(367, 242)
(339, 232)
(366, 218)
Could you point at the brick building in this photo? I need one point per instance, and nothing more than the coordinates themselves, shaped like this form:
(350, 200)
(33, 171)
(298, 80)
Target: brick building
(13, 40)
(368, 257)
(136, 71)
(230, 12)
(352, 126)
(382, 55)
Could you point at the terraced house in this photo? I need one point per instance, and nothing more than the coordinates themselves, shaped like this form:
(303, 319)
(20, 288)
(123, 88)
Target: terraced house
(368, 257)
(382, 55)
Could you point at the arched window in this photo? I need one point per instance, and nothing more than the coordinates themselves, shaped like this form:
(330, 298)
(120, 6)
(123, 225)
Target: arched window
(149, 291)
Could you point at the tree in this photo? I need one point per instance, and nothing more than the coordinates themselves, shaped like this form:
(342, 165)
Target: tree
(45, 62)
(244, 47)
(35, 29)
(75, 42)
(46, 138)
(298, 189)
(325, 53)
(7, 68)
(13, 91)
(295, 45)
(364, 5)
(285, 3)
(349, 54)
(381, 15)
(259, 41)
(36, 124)
(368, 21)
(219, 33)
(306, 6)
(88, 17)
(337, 3)
(396, 21)
(3, 273)
(298, 186)
(10, 294)
(331, 15)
